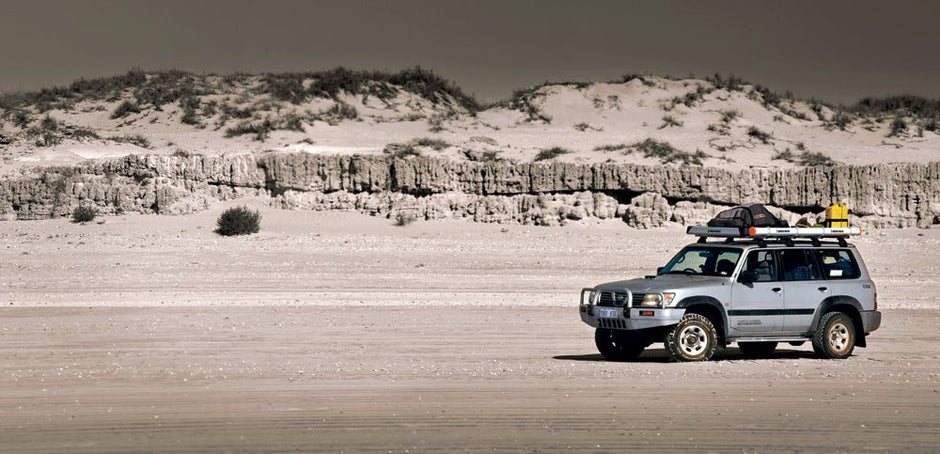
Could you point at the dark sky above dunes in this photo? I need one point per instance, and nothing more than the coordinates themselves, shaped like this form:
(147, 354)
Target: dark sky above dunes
(837, 51)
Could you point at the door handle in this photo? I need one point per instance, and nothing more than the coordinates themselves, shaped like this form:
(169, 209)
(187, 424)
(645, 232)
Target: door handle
(776, 289)
(823, 289)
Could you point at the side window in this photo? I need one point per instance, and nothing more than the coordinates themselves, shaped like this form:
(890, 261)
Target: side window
(726, 262)
(798, 265)
(762, 266)
(838, 264)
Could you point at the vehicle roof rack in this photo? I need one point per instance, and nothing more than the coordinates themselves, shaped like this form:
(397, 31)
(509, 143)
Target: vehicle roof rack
(786, 234)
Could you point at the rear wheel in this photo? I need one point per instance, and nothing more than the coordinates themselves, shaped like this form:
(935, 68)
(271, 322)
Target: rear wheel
(618, 345)
(835, 337)
(757, 349)
(693, 339)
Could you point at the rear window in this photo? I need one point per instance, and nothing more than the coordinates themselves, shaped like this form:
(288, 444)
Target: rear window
(838, 264)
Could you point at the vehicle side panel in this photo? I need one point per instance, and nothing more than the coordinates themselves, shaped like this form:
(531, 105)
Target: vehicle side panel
(756, 308)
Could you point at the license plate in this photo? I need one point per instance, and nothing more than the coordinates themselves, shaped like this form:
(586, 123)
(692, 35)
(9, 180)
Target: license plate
(608, 313)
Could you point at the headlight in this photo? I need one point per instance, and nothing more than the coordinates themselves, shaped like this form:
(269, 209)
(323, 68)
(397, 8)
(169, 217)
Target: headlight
(586, 305)
(658, 299)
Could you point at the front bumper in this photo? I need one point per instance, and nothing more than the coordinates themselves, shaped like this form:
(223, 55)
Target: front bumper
(871, 320)
(626, 318)
(635, 321)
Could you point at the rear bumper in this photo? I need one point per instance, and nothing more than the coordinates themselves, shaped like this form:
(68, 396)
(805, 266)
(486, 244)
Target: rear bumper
(871, 320)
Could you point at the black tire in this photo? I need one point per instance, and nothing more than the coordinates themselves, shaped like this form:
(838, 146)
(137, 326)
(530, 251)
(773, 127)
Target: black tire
(618, 345)
(693, 339)
(835, 337)
(757, 349)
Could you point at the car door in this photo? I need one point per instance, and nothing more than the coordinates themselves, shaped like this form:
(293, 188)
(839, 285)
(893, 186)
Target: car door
(803, 289)
(757, 296)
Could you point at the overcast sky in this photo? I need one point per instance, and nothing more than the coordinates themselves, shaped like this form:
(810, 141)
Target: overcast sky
(835, 51)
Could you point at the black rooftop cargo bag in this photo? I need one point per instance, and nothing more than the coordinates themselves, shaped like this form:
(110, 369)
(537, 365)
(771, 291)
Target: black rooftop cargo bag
(747, 215)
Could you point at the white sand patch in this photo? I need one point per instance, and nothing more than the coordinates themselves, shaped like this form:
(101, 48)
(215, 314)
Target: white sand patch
(327, 149)
(328, 258)
(101, 151)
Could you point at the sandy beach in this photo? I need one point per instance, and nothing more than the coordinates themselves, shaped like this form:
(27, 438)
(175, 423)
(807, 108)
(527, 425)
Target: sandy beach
(339, 332)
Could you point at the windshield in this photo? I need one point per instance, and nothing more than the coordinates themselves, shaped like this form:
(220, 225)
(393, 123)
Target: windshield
(706, 261)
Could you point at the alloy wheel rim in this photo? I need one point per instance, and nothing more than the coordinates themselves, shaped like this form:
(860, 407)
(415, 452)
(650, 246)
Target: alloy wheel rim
(692, 340)
(839, 337)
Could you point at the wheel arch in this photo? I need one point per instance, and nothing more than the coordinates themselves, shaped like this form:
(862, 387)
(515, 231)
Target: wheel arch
(710, 308)
(848, 306)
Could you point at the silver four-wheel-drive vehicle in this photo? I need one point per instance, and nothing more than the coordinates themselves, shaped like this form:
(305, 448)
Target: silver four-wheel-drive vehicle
(755, 287)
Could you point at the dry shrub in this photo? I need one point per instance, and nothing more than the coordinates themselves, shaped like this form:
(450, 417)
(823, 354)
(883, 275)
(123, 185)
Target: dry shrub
(238, 221)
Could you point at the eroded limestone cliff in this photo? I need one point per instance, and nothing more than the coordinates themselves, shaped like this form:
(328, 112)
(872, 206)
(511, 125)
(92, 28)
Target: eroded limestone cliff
(902, 194)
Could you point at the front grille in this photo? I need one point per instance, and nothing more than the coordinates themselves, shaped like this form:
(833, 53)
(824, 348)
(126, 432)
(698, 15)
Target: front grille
(615, 323)
(619, 299)
(637, 300)
(612, 299)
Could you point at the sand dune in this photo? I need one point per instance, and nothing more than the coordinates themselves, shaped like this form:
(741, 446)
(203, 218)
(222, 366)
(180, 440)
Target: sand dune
(731, 126)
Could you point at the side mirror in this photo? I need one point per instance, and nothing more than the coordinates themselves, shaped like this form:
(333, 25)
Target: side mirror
(747, 276)
(659, 269)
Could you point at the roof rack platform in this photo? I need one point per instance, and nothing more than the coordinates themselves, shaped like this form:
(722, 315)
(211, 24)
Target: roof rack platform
(773, 232)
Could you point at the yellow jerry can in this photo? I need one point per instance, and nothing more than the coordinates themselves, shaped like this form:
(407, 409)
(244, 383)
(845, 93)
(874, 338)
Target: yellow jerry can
(837, 215)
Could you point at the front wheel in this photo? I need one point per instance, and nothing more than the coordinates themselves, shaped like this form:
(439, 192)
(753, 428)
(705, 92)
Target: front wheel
(618, 345)
(693, 339)
(835, 337)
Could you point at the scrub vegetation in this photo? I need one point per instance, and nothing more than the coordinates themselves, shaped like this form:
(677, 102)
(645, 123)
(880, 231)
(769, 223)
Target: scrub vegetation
(238, 221)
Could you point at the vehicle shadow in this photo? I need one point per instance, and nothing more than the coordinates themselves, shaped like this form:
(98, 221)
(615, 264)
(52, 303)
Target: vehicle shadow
(659, 355)
(650, 355)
